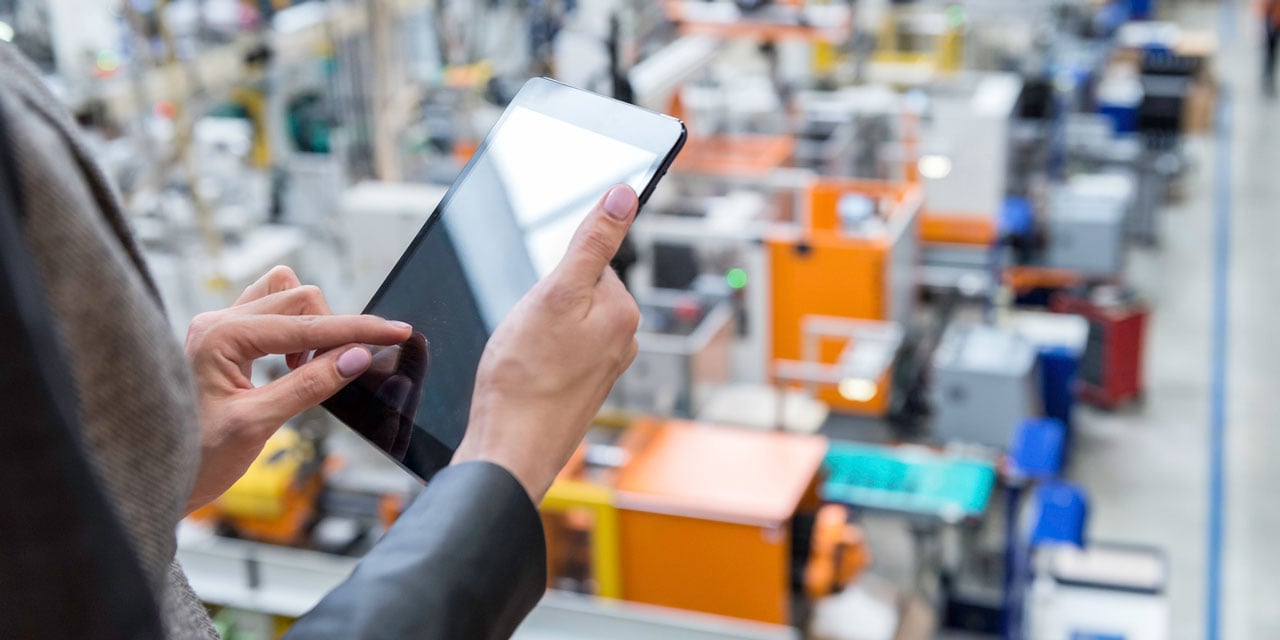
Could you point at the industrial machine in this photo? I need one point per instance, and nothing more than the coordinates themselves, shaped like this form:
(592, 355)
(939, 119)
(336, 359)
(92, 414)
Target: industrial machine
(984, 384)
(917, 43)
(380, 219)
(1104, 590)
(853, 132)
(871, 196)
(685, 340)
(1111, 367)
(699, 517)
(964, 155)
(1086, 224)
(852, 258)
(275, 500)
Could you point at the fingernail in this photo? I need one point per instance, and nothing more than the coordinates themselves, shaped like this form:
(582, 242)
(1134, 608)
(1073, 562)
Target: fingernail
(354, 361)
(399, 325)
(619, 202)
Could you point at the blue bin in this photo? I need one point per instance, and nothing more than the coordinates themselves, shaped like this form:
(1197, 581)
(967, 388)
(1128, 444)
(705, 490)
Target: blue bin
(1017, 217)
(1037, 448)
(1140, 9)
(1058, 367)
(1124, 118)
(1064, 511)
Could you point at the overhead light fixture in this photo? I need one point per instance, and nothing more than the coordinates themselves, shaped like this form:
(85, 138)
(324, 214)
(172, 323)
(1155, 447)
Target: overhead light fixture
(6, 32)
(857, 389)
(935, 167)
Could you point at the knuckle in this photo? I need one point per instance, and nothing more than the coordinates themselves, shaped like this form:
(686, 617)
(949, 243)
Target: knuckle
(597, 243)
(629, 315)
(281, 277)
(201, 329)
(307, 323)
(559, 296)
(310, 293)
(311, 387)
(623, 313)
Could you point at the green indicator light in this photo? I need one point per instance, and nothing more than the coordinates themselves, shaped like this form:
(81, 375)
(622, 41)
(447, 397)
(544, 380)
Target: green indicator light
(737, 278)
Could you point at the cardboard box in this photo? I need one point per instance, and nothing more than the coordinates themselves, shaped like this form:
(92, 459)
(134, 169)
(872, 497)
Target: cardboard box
(1200, 108)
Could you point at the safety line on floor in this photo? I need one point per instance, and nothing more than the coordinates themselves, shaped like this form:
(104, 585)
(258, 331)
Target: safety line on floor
(1218, 347)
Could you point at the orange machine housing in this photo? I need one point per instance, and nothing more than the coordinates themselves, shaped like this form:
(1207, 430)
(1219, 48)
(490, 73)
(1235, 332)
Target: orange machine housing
(705, 518)
(821, 270)
(940, 228)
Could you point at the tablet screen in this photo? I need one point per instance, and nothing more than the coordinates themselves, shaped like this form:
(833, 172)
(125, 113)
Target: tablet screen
(507, 222)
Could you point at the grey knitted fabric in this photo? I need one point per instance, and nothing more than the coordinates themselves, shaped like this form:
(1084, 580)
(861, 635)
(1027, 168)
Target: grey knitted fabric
(136, 400)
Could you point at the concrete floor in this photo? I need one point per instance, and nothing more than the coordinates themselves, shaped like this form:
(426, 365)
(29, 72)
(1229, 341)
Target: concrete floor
(1146, 469)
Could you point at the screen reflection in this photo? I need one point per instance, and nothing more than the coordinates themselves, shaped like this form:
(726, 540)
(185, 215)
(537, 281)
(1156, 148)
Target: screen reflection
(507, 222)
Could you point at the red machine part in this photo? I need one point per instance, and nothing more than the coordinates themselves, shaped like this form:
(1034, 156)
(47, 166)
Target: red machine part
(1111, 371)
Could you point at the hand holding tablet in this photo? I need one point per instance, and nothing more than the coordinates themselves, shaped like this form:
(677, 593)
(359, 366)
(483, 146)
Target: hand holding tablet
(505, 224)
(550, 364)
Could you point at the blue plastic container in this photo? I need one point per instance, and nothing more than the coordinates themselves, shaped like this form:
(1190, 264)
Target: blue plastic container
(1058, 367)
(1037, 448)
(1124, 118)
(1064, 511)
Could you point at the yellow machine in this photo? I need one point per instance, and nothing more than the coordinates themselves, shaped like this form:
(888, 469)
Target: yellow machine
(697, 517)
(900, 45)
(275, 500)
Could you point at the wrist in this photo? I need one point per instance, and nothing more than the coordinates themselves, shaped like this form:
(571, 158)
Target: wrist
(528, 478)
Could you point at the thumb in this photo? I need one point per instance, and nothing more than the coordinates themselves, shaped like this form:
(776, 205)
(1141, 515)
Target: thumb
(312, 383)
(599, 236)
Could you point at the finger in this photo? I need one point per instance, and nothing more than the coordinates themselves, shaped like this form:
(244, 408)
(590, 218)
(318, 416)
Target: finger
(385, 361)
(304, 299)
(598, 237)
(295, 360)
(413, 368)
(310, 384)
(392, 395)
(414, 358)
(299, 300)
(254, 336)
(612, 297)
(279, 278)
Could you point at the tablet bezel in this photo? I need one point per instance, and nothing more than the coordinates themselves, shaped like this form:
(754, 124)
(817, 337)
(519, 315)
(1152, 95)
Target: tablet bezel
(659, 134)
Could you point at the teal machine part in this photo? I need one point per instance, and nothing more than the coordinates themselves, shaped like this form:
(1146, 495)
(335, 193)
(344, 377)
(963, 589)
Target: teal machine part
(909, 481)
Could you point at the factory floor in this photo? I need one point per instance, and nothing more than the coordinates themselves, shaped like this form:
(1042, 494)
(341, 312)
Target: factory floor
(1147, 469)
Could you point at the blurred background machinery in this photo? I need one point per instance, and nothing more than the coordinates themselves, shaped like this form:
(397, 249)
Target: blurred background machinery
(882, 288)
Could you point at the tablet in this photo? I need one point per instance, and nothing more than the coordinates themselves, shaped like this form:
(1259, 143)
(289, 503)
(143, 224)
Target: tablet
(506, 222)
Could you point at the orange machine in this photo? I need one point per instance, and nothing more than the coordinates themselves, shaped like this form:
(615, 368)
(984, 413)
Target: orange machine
(736, 156)
(705, 518)
(696, 517)
(788, 20)
(976, 229)
(825, 268)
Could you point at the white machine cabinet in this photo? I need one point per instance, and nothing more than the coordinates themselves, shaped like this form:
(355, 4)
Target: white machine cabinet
(964, 153)
(1087, 223)
(983, 384)
(380, 220)
(1103, 591)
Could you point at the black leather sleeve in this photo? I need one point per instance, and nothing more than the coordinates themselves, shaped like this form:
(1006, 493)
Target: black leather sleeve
(466, 560)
